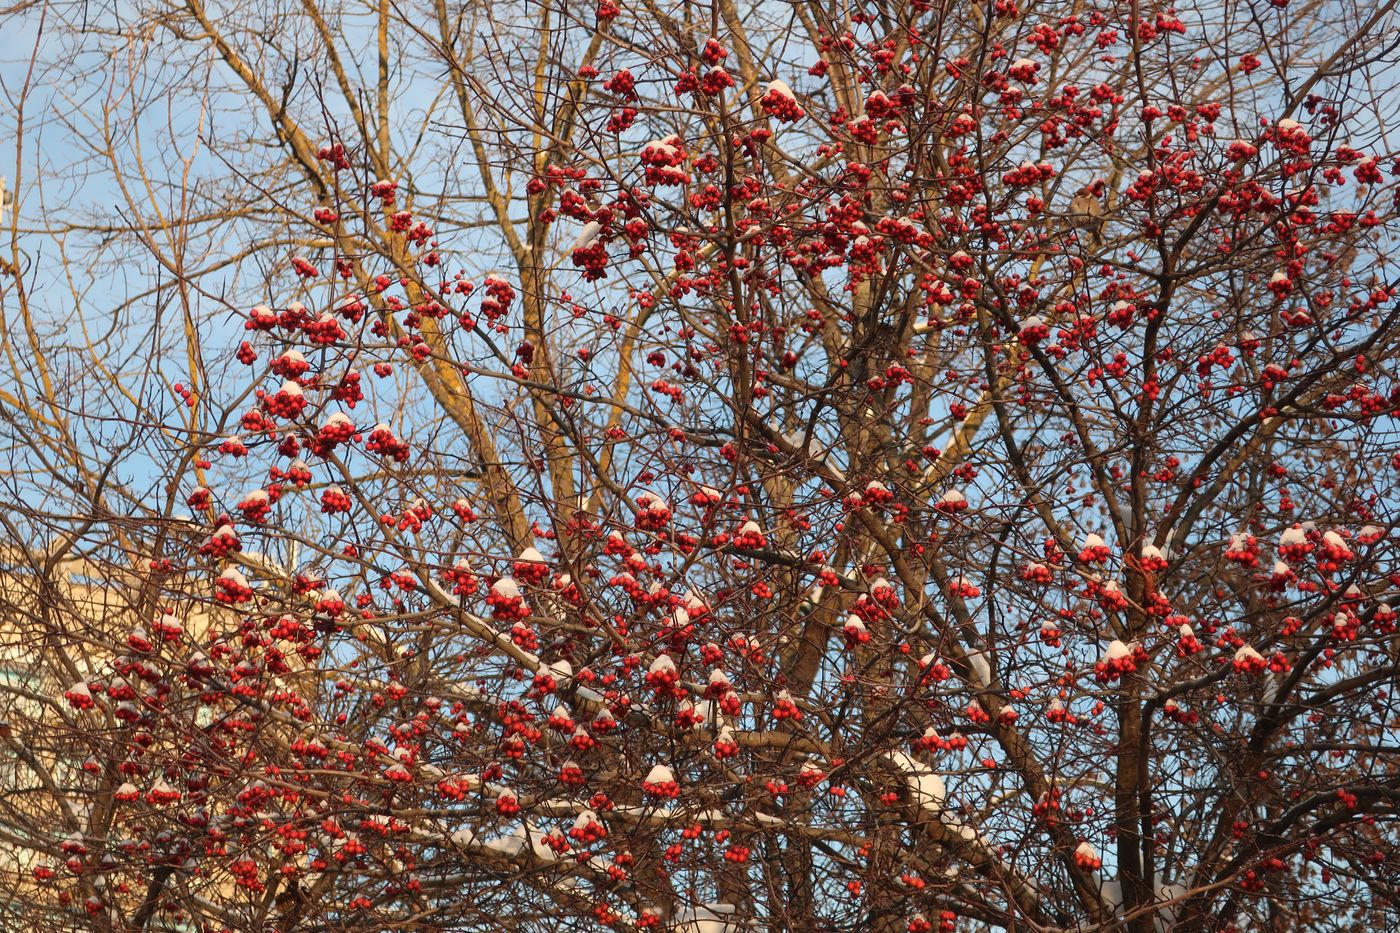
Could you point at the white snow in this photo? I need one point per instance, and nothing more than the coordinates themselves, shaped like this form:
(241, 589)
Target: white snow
(926, 788)
(706, 918)
(233, 576)
(659, 774)
(778, 86)
(587, 235)
(1247, 653)
(981, 670)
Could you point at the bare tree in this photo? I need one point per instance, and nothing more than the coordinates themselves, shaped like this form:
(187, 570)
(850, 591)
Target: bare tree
(703, 467)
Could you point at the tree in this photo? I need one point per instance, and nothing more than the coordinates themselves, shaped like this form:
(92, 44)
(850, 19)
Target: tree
(705, 467)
